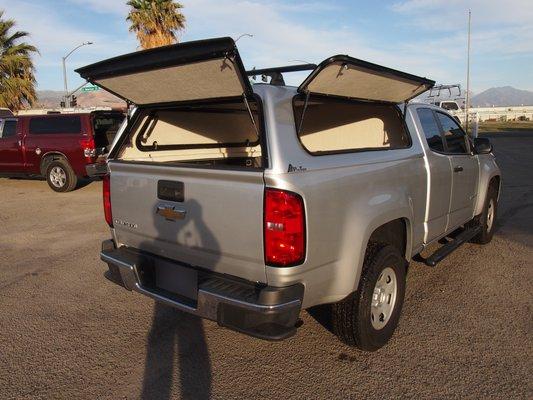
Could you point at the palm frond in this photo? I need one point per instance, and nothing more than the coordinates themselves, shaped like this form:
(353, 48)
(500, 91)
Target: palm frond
(155, 22)
(17, 71)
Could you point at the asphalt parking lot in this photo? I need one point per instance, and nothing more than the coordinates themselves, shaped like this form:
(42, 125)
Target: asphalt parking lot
(66, 333)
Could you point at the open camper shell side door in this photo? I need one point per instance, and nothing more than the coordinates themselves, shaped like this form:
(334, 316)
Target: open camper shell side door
(346, 77)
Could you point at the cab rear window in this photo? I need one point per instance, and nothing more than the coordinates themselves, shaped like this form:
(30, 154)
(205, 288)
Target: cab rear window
(332, 126)
(69, 124)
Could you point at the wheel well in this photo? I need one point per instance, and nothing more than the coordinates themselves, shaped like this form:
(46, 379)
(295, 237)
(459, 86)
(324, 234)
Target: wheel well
(393, 233)
(495, 182)
(48, 158)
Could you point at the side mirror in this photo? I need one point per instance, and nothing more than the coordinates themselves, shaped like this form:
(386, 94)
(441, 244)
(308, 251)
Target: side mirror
(482, 146)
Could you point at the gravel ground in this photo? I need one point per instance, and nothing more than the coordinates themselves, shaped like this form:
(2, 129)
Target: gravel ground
(66, 333)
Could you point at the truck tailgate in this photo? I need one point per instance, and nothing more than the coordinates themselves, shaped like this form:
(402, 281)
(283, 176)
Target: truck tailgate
(209, 218)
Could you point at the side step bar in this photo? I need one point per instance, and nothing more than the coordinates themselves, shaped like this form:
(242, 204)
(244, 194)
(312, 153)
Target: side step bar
(451, 246)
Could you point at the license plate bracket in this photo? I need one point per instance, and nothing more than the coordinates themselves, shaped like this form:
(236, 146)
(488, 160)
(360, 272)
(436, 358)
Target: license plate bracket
(177, 279)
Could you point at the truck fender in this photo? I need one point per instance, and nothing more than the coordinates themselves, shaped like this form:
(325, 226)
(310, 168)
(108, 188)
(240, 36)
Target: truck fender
(488, 171)
(388, 212)
(49, 157)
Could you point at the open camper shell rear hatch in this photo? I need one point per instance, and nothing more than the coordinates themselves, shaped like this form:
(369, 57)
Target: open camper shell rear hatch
(346, 77)
(186, 72)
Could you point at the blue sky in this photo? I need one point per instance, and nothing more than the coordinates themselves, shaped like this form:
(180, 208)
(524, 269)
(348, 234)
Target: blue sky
(424, 37)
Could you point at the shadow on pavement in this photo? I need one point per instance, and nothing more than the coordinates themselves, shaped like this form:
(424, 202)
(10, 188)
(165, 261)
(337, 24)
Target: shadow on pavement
(176, 342)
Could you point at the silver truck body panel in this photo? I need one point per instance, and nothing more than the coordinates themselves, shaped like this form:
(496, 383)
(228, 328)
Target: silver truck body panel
(223, 227)
(346, 197)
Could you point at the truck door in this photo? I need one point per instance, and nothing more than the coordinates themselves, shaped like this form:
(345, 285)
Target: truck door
(11, 156)
(439, 175)
(465, 171)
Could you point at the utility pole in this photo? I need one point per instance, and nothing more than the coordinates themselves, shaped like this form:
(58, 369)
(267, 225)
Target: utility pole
(467, 105)
(65, 68)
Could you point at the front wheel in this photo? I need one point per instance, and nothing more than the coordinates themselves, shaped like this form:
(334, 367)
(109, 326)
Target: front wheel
(368, 317)
(60, 176)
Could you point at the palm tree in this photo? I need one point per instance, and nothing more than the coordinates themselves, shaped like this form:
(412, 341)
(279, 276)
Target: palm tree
(17, 78)
(155, 22)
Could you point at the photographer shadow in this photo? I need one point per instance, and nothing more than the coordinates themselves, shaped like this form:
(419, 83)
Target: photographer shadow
(176, 343)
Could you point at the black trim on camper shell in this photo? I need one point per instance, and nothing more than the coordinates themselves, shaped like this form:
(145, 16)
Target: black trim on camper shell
(393, 73)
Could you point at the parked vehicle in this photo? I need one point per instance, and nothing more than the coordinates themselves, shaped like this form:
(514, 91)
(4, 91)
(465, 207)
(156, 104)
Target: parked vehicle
(246, 204)
(450, 105)
(5, 113)
(59, 147)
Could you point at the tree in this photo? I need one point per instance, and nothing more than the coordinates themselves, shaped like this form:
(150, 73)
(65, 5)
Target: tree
(17, 72)
(155, 22)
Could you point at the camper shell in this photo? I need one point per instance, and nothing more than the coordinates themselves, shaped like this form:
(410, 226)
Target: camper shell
(246, 203)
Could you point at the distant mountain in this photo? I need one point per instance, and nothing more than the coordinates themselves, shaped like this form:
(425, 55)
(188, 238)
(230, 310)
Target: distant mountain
(503, 96)
(52, 98)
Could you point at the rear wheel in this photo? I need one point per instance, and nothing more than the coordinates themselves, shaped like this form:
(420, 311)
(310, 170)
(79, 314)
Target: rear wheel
(368, 317)
(60, 176)
(487, 219)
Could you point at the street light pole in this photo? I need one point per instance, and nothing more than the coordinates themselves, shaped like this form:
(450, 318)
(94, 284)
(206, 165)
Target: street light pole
(65, 67)
(467, 105)
(65, 77)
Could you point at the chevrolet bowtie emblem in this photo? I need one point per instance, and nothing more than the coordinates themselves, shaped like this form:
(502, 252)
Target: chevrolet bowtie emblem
(170, 213)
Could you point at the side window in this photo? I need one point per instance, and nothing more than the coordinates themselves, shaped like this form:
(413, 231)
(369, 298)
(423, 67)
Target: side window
(51, 125)
(9, 128)
(331, 126)
(453, 134)
(431, 129)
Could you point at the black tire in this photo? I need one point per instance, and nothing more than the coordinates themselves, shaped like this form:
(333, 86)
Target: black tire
(68, 180)
(487, 228)
(351, 317)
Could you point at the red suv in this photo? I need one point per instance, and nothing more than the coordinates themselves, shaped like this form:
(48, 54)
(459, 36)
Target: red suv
(60, 147)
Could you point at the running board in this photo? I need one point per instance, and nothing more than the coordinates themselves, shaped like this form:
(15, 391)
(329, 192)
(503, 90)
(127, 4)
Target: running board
(451, 246)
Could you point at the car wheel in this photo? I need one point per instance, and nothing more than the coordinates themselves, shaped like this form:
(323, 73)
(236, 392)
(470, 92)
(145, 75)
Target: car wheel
(60, 176)
(368, 317)
(487, 219)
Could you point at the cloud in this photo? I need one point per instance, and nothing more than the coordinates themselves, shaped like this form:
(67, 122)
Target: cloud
(117, 7)
(502, 35)
(445, 13)
(279, 37)
(54, 35)
(497, 27)
(430, 39)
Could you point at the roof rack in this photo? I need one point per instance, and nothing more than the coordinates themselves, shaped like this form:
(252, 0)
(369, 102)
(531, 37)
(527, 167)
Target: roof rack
(275, 73)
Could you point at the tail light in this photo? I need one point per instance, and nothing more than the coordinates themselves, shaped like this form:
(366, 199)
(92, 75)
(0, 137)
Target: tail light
(284, 228)
(107, 200)
(89, 148)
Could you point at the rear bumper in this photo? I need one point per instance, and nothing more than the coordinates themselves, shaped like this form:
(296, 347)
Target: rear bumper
(261, 311)
(95, 170)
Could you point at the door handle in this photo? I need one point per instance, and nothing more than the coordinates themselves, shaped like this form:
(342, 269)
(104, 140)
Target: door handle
(170, 213)
(458, 169)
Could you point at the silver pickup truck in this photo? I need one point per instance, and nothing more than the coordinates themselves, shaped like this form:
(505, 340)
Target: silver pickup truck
(246, 203)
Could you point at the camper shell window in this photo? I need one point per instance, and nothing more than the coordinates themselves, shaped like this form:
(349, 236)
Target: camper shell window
(214, 133)
(332, 126)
